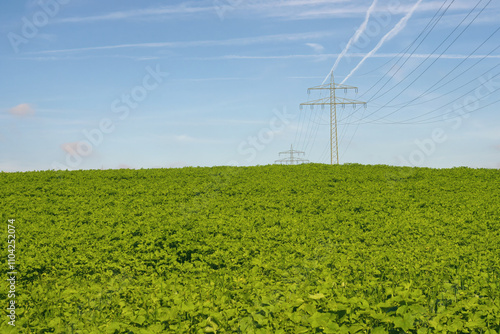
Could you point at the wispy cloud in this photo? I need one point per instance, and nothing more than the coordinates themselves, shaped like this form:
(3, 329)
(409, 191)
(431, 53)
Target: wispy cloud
(349, 9)
(352, 9)
(288, 10)
(185, 8)
(352, 55)
(354, 39)
(311, 11)
(298, 77)
(279, 38)
(268, 8)
(426, 55)
(215, 79)
(66, 56)
(278, 57)
(251, 7)
(202, 123)
(391, 34)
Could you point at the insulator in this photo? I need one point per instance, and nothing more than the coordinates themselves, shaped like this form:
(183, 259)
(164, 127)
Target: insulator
(308, 92)
(343, 105)
(354, 106)
(322, 107)
(301, 107)
(312, 107)
(365, 105)
(356, 90)
(345, 90)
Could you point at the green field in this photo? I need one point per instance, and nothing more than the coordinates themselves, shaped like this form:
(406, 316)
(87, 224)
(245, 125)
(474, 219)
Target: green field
(269, 249)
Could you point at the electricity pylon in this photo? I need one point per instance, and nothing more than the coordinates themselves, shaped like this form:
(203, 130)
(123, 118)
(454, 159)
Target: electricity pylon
(292, 160)
(333, 101)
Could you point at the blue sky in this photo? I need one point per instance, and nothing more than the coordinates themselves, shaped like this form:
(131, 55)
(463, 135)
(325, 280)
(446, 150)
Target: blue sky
(143, 84)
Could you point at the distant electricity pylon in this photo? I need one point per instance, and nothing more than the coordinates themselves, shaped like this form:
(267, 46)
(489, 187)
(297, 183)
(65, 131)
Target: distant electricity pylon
(293, 157)
(333, 101)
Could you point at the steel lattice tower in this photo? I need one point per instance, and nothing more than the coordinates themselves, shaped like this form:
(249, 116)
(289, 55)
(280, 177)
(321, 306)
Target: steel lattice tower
(292, 160)
(332, 100)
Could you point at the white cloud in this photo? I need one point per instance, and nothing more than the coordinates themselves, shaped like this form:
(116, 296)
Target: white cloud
(77, 148)
(398, 72)
(216, 79)
(318, 48)
(24, 109)
(187, 139)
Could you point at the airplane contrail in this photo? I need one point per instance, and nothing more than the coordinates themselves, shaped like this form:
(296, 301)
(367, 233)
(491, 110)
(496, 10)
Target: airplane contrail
(391, 34)
(353, 39)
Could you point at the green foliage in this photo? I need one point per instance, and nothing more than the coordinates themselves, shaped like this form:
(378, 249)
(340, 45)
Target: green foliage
(269, 249)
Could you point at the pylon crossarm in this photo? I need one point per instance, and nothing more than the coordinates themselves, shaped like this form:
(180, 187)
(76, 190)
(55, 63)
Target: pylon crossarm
(344, 100)
(326, 101)
(293, 157)
(288, 152)
(335, 86)
(323, 101)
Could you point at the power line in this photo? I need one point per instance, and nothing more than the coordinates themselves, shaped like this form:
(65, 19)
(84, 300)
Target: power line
(432, 24)
(439, 108)
(364, 119)
(455, 89)
(414, 50)
(464, 113)
(445, 105)
(419, 76)
(457, 76)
